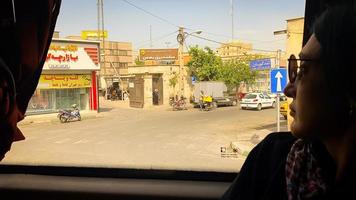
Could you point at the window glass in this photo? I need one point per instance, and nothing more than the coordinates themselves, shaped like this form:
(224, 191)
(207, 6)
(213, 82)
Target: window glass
(251, 96)
(169, 85)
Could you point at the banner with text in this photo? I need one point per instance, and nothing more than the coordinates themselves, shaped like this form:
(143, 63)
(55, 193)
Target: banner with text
(56, 81)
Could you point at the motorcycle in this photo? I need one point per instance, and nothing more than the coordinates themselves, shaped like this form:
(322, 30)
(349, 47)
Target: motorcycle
(178, 104)
(206, 103)
(69, 115)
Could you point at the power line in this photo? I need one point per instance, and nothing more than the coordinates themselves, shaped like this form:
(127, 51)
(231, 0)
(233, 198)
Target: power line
(156, 16)
(242, 39)
(187, 28)
(143, 43)
(231, 45)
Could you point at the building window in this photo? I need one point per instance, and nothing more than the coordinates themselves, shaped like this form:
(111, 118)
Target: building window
(123, 65)
(122, 53)
(50, 100)
(114, 52)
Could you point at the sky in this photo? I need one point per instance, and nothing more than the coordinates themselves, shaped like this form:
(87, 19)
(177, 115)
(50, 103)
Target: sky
(253, 20)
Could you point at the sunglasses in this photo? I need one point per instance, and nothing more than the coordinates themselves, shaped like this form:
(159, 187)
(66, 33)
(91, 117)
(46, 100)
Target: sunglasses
(294, 67)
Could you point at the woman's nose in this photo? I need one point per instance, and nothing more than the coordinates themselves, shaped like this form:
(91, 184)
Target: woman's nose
(289, 90)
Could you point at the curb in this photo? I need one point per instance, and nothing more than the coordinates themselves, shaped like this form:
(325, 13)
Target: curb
(50, 118)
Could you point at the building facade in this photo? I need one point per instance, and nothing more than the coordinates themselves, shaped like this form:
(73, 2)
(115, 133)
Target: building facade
(233, 49)
(156, 77)
(69, 76)
(116, 57)
(157, 72)
(295, 30)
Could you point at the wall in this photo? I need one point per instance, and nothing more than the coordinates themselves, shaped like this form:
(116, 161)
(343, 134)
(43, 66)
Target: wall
(294, 35)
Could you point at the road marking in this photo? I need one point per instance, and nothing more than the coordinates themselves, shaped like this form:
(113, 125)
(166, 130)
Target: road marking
(81, 141)
(62, 141)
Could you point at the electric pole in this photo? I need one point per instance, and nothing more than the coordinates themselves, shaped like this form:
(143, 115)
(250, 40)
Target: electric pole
(98, 7)
(181, 39)
(102, 33)
(278, 62)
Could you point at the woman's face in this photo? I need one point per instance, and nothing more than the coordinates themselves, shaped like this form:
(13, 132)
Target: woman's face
(312, 107)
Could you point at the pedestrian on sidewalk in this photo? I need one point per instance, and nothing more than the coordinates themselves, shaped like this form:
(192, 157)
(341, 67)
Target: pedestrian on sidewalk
(317, 160)
(26, 28)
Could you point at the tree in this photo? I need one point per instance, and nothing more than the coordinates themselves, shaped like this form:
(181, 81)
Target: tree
(173, 81)
(138, 62)
(237, 71)
(204, 64)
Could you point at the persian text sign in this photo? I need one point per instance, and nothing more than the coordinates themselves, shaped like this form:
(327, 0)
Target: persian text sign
(56, 81)
(73, 55)
(158, 54)
(261, 64)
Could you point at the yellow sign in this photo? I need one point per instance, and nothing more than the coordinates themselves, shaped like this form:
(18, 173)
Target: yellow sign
(64, 81)
(70, 47)
(94, 34)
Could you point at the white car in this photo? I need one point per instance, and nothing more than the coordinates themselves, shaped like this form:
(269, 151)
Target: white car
(257, 101)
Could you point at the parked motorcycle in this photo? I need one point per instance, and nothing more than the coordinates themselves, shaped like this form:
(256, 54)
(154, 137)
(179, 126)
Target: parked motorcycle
(178, 104)
(69, 115)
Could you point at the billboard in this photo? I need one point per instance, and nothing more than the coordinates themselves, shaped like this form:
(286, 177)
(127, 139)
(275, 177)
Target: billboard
(93, 34)
(60, 81)
(65, 55)
(158, 54)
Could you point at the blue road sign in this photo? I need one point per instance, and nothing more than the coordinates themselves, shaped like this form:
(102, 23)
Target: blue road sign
(260, 64)
(278, 80)
(194, 79)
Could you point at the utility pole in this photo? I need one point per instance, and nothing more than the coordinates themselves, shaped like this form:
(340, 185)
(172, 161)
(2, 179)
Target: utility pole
(102, 34)
(98, 39)
(181, 61)
(278, 62)
(98, 6)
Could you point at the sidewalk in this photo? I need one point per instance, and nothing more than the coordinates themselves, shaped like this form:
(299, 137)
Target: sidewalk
(52, 117)
(106, 105)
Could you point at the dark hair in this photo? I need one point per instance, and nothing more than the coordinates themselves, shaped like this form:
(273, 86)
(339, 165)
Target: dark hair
(335, 30)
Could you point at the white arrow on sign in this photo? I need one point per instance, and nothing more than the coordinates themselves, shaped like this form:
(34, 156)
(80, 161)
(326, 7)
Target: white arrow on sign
(279, 82)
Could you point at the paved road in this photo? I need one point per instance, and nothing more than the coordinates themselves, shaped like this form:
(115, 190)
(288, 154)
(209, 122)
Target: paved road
(157, 138)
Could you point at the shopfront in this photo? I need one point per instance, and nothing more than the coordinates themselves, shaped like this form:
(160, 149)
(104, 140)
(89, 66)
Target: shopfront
(69, 77)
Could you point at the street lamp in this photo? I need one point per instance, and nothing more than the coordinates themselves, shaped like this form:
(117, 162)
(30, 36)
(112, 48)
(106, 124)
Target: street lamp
(183, 35)
(181, 39)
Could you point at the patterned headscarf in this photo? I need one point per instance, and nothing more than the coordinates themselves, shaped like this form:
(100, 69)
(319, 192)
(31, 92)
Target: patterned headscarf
(303, 173)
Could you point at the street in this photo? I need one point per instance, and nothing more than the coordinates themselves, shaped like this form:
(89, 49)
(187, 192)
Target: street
(157, 138)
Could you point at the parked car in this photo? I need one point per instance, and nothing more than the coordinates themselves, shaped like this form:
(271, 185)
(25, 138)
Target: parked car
(225, 101)
(257, 101)
(270, 94)
(217, 90)
(283, 108)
